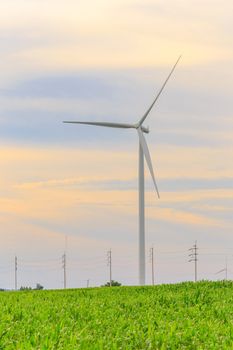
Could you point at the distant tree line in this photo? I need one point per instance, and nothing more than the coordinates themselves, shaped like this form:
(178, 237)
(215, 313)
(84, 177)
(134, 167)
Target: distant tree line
(113, 284)
(38, 287)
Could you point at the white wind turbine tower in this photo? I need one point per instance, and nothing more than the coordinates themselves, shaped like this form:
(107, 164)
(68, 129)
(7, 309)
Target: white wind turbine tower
(143, 152)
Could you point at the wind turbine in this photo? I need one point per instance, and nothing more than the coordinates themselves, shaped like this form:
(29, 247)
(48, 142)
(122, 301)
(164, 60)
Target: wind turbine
(143, 152)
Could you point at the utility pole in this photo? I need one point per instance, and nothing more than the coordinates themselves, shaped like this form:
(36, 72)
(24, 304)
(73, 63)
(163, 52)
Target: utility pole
(88, 283)
(16, 268)
(226, 268)
(64, 268)
(109, 260)
(64, 262)
(152, 265)
(193, 258)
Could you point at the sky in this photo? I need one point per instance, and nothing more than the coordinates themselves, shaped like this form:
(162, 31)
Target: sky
(74, 188)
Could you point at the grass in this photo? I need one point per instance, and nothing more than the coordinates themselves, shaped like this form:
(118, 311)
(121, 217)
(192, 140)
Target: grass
(180, 316)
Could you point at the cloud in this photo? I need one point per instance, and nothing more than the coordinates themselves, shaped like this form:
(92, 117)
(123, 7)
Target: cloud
(184, 218)
(84, 183)
(120, 184)
(77, 36)
(34, 108)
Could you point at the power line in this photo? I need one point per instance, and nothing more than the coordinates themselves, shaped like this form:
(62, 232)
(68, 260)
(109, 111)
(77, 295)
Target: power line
(224, 270)
(44, 261)
(171, 252)
(174, 258)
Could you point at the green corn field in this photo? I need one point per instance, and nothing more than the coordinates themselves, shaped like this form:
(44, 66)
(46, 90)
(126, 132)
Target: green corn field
(179, 316)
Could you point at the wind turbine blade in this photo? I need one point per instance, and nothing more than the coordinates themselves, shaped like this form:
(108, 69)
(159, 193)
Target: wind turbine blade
(105, 124)
(159, 93)
(146, 152)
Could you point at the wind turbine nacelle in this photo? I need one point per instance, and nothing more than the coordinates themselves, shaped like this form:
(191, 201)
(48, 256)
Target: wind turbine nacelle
(145, 130)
